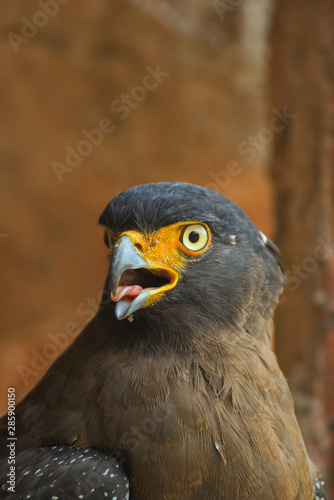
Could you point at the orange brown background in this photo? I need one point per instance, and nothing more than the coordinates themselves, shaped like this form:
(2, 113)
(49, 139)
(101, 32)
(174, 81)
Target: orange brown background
(64, 79)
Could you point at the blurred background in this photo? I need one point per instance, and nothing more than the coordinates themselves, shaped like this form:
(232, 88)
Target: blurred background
(95, 97)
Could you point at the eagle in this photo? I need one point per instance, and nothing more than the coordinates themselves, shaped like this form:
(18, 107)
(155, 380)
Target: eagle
(171, 391)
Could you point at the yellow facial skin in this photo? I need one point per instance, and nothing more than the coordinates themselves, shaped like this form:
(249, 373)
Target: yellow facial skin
(167, 249)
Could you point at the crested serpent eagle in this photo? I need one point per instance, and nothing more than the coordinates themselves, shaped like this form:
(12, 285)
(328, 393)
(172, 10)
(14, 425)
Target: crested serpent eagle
(171, 391)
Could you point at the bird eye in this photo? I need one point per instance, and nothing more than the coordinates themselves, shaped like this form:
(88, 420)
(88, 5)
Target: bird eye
(195, 237)
(108, 239)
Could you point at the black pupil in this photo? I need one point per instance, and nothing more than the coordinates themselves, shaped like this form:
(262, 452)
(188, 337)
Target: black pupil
(193, 237)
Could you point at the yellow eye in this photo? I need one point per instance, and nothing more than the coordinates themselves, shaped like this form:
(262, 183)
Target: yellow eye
(195, 237)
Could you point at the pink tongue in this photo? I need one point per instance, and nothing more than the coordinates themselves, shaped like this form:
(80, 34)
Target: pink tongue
(130, 292)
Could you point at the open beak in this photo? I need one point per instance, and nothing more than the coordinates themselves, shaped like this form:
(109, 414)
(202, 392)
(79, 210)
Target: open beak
(136, 282)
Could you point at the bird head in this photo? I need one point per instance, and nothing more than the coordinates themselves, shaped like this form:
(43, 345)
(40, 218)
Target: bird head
(184, 253)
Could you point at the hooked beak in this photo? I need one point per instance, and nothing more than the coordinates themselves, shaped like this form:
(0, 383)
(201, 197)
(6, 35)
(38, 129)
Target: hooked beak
(134, 281)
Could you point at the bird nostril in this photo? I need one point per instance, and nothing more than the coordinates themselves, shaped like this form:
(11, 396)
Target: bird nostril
(139, 247)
